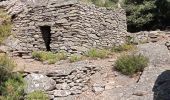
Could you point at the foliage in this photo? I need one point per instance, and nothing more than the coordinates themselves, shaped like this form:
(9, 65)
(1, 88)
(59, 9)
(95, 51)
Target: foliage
(6, 26)
(6, 67)
(37, 95)
(163, 13)
(124, 47)
(140, 13)
(75, 58)
(97, 53)
(49, 56)
(11, 84)
(130, 64)
(147, 14)
(13, 88)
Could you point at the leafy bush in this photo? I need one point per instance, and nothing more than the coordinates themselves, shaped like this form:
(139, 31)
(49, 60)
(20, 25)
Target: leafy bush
(37, 95)
(13, 88)
(11, 84)
(49, 56)
(6, 26)
(124, 47)
(130, 64)
(6, 67)
(96, 53)
(75, 58)
(147, 14)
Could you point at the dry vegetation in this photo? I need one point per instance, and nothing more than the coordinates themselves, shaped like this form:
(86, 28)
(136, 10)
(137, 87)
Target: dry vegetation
(5, 25)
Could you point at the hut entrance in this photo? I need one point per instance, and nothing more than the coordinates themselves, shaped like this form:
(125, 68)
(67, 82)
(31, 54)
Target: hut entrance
(46, 34)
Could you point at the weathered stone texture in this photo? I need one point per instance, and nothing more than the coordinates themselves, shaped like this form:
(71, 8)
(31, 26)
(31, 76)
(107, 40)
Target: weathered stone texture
(62, 81)
(75, 27)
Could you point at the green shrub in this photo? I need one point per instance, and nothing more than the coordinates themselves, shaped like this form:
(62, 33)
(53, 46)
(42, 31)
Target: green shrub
(6, 67)
(124, 47)
(13, 88)
(37, 95)
(5, 27)
(96, 53)
(61, 55)
(11, 84)
(49, 56)
(130, 64)
(75, 58)
(4, 15)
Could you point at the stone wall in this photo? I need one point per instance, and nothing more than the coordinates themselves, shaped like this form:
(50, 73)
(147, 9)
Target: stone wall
(75, 27)
(147, 36)
(62, 81)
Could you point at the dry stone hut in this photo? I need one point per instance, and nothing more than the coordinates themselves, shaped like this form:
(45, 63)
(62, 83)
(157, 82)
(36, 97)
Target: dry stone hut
(67, 25)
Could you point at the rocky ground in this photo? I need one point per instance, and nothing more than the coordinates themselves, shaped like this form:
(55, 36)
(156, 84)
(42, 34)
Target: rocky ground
(97, 79)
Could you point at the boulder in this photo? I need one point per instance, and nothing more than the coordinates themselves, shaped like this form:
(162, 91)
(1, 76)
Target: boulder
(39, 82)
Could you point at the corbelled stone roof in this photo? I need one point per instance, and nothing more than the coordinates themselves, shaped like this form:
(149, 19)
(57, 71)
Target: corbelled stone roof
(16, 6)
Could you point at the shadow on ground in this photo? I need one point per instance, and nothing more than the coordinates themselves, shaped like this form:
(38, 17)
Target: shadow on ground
(161, 87)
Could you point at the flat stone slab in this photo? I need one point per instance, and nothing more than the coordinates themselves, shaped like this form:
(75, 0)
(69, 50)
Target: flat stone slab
(157, 53)
(66, 70)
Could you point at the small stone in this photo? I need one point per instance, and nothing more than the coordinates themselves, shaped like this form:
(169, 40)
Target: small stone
(81, 84)
(79, 80)
(62, 21)
(71, 76)
(50, 92)
(72, 84)
(65, 86)
(76, 92)
(93, 36)
(26, 57)
(85, 88)
(76, 88)
(61, 93)
(51, 97)
(98, 87)
(58, 86)
(63, 48)
(36, 36)
(140, 93)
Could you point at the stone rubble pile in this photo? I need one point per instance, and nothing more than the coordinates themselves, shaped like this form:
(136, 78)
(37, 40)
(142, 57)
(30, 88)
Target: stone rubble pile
(61, 83)
(147, 36)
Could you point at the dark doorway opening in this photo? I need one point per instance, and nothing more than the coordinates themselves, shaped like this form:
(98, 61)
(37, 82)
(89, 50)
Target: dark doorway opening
(46, 34)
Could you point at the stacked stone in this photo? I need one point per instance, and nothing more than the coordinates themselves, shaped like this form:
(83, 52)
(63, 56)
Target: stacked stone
(75, 27)
(146, 36)
(62, 82)
(72, 83)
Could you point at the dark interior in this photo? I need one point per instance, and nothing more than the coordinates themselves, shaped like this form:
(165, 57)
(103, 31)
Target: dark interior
(46, 34)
